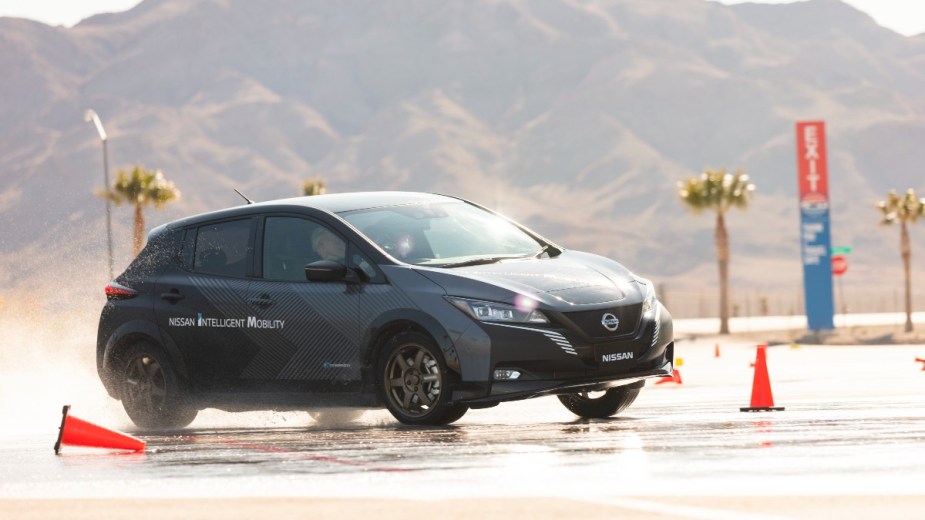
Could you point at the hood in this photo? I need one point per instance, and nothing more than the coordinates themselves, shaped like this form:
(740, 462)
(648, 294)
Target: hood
(571, 277)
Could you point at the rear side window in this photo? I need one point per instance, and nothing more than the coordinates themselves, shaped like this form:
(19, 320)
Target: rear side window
(223, 248)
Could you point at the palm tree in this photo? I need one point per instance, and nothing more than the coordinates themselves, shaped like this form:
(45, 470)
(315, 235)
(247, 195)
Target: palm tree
(313, 186)
(141, 187)
(903, 209)
(719, 191)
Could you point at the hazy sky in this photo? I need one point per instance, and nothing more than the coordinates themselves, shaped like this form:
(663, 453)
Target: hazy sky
(903, 16)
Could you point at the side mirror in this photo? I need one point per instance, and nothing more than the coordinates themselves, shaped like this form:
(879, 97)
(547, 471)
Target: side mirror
(329, 271)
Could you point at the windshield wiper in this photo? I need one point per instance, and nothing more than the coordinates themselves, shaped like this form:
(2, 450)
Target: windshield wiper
(552, 250)
(477, 261)
(546, 248)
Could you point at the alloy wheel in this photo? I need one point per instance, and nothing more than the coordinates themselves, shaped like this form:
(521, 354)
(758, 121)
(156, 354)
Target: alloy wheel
(145, 385)
(413, 380)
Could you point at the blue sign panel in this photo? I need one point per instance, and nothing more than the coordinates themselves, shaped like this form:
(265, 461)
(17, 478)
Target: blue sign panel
(817, 267)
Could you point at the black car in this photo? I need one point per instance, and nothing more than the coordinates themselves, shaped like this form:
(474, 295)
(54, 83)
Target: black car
(425, 304)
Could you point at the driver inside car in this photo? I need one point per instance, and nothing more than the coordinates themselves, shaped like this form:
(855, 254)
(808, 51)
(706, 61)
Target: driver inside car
(328, 245)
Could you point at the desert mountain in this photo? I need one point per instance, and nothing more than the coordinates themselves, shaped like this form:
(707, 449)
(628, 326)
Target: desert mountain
(575, 117)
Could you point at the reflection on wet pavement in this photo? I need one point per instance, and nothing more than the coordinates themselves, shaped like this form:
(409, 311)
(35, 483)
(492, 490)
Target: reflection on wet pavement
(836, 437)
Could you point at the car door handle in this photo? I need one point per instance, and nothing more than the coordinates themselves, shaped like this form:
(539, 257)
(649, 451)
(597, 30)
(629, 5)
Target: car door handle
(263, 301)
(173, 296)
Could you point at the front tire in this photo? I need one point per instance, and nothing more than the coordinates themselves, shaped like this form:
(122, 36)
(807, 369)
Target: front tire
(415, 383)
(589, 405)
(150, 393)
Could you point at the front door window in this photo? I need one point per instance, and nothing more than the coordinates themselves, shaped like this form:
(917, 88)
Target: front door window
(289, 244)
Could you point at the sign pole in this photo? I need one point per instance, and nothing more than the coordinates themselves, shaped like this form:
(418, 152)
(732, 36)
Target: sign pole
(839, 268)
(841, 295)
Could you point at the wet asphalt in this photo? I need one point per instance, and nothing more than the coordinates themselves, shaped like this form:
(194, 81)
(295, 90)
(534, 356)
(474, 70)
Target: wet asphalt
(853, 424)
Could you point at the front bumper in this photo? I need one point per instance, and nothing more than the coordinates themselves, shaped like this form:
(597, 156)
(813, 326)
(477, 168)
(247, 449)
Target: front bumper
(499, 391)
(555, 361)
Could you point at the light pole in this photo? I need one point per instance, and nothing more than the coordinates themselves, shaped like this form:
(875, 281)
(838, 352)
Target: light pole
(90, 115)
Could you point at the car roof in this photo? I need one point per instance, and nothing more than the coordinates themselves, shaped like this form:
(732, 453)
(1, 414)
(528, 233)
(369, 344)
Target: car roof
(340, 202)
(331, 203)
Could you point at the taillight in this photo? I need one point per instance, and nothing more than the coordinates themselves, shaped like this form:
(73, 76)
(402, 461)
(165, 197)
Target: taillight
(115, 291)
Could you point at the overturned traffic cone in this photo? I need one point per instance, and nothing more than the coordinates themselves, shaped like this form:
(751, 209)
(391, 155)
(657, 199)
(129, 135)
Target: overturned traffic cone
(675, 377)
(762, 400)
(78, 432)
(922, 361)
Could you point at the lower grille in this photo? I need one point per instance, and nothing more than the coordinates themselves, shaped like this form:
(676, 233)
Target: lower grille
(561, 341)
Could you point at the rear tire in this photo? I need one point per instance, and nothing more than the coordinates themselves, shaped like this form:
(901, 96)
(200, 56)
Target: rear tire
(150, 393)
(415, 383)
(592, 406)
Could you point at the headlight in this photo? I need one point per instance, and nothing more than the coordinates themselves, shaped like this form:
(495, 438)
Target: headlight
(649, 302)
(499, 312)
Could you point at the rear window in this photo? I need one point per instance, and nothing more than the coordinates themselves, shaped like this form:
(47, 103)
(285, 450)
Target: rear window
(160, 251)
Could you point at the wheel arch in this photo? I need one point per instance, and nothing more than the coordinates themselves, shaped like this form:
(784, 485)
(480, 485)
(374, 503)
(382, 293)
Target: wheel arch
(131, 333)
(394, 322)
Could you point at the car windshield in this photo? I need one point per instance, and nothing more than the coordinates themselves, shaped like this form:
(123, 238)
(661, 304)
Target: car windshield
(444, 234)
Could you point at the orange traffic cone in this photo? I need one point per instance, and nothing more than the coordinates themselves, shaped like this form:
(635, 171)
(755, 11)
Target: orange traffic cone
(922, 361)
(762, 400)
(675, 377)
(78, 432)
(716, 350)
